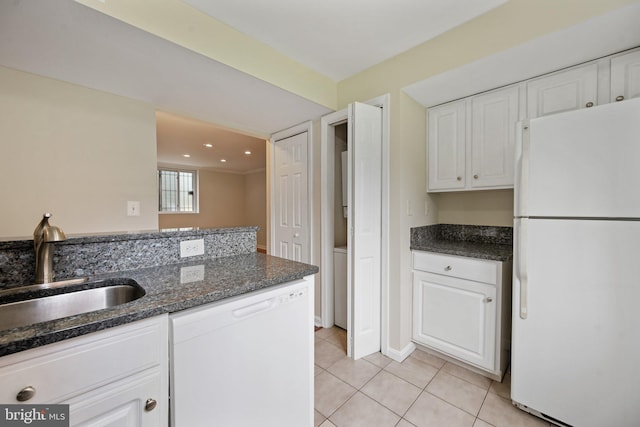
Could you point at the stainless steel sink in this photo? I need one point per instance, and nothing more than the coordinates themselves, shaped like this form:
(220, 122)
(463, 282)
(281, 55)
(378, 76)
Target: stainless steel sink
(40, 303)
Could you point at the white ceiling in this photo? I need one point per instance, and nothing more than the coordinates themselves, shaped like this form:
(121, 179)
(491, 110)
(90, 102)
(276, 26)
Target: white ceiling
(340, 38)
(178, 136)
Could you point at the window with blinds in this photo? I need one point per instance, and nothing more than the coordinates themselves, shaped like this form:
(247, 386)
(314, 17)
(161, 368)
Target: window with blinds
(177, 191)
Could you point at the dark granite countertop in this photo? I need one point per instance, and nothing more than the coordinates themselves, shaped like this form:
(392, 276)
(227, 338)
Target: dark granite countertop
(469, 249)
(223, 278)
(484, 242)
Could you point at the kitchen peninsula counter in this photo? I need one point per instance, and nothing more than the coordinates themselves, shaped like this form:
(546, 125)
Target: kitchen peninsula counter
(169, 288)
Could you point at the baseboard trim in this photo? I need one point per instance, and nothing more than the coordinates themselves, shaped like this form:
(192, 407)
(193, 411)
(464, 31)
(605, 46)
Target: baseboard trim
(400, 355)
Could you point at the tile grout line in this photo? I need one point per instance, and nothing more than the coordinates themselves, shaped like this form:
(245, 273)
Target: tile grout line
(423, 389)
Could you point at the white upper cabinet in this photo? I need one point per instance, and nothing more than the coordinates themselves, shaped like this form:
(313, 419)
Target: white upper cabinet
(471, 142)
(493, 134)
(625, 76)
(447, 145)
(563, 91)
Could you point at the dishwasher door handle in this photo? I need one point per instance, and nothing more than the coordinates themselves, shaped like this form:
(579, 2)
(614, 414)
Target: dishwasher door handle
(253, 308)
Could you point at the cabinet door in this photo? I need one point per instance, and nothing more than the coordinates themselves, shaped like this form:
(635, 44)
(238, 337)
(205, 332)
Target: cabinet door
(122, 404)
(455, 316)
(493, 134)
(563, 91)
(446, 142)
(625, 76)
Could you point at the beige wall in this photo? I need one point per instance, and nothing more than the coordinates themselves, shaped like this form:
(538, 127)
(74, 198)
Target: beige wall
(476, 207)
(78, 153)
(226, 200)
(255, 202)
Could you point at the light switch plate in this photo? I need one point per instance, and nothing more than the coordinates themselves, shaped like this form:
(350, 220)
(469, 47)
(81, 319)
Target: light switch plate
(133, 208)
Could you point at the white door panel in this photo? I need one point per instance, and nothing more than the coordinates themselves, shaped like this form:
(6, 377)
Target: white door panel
(563, 91)
(447, 141)
(625, 76)
(493, 137)
(365, 223)
(292, 230)
(457, 317)
(574, 155)
(580, 336)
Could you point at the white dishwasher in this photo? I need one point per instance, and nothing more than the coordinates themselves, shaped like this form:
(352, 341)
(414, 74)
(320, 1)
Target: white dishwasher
(245, 361)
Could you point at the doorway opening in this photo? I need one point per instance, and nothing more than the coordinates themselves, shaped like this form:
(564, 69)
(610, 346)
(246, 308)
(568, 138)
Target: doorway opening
(363, 226)
(230, 174)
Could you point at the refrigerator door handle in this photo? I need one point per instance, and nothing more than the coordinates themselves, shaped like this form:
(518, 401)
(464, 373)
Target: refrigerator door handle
(522, 267)
(522, 165)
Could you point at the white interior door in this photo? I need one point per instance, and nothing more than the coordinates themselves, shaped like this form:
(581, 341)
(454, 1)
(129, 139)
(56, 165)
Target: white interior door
(365, 225)
(291, 234)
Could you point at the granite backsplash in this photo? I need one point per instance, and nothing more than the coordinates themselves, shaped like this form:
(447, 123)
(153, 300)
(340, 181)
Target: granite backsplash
(462, 233)
(475, 241)
(88, 256)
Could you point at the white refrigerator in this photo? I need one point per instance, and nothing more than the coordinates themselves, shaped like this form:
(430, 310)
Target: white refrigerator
(576, 290)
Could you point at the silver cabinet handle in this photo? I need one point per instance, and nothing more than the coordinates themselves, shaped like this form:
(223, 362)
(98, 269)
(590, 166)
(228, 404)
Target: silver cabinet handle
(296, 234)
(589, 104)
(150, 405)
(447, 268)
(489, 299)
(619, 98)
(26, 394)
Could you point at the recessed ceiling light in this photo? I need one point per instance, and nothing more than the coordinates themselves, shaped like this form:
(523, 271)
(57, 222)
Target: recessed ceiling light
(247, 152)
(186, 155)
(223, 160)
(208, 145)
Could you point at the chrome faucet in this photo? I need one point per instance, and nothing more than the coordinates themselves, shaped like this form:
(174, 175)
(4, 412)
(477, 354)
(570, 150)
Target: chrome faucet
(43, 237)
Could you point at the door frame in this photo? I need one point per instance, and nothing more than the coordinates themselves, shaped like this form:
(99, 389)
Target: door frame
(278, 136)
(327, 141)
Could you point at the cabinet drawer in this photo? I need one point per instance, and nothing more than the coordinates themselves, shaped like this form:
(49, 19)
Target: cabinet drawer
(485, 271)
(62, 370)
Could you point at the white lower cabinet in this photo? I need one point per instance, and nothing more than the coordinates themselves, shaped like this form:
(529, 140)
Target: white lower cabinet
(116, 377)
(461, 308)
(126, 403)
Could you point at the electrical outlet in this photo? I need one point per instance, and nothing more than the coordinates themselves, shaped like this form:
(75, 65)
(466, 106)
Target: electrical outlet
(193, 273)
(191, 248)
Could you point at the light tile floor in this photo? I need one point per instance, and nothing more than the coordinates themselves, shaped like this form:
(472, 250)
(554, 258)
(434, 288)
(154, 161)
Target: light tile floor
(422, 391)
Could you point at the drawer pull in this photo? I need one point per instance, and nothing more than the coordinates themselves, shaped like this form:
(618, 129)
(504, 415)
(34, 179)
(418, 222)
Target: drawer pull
(489, 299)
(150, 405)
(447, 268)
(589, 104)
(26, 394)
(619, 98)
